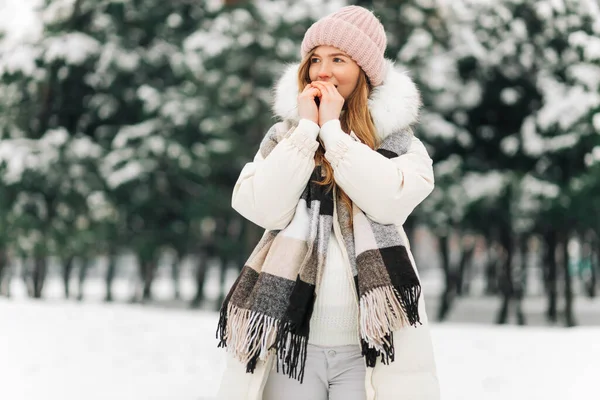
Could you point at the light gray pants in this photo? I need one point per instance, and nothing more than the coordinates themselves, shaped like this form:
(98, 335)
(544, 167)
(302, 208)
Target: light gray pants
(331, 373)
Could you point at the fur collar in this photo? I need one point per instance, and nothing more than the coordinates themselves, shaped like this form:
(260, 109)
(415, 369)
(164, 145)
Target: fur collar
(394, 104)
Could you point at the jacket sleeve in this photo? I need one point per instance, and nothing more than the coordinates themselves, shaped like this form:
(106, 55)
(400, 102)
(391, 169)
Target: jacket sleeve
(387, 190)
(268, 188)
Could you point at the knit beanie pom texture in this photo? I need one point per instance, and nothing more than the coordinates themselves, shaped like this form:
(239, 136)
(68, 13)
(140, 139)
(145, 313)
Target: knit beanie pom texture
(355, 31)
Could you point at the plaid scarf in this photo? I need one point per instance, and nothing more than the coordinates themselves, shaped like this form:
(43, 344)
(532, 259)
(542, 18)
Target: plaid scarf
(270, 304)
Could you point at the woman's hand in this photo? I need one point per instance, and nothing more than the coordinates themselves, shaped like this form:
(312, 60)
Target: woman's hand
(307, 108)
(331, 101)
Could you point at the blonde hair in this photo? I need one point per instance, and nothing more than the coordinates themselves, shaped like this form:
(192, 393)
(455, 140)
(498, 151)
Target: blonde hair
(356, 118)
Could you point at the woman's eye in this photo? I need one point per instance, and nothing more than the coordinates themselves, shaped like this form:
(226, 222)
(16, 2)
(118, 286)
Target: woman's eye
(314, 60)
(338, 60)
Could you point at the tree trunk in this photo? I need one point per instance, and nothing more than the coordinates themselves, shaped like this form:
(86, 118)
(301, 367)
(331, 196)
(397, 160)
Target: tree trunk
(593, 284)
(251, 237)
(110, 276)
(569, 316)
(201, 267)
(5, 275)
(506, 280)
(149, 272)
(468, 272)
(175, 275)
(39, 275)
(463, 266)
(491, 270)
(223, 266)
(552, 284)
(67, 267)
(409, 228)
(591, 280)
(27, 274)
(84, 264)
(448, 294)
(522, 280)
(147, 265)
(595, 265)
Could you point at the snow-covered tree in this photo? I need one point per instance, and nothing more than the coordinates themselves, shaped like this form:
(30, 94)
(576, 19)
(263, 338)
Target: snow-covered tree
(518, 103)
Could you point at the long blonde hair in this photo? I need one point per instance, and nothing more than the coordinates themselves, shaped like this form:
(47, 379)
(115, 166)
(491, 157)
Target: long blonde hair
(356, 118)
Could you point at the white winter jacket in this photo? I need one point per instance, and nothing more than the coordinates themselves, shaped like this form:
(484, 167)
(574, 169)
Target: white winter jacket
(387, 190)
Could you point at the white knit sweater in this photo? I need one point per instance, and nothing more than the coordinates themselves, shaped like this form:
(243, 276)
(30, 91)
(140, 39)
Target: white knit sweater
(334, 321)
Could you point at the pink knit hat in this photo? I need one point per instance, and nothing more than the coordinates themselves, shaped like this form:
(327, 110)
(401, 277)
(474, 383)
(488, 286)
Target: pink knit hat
(355, 31)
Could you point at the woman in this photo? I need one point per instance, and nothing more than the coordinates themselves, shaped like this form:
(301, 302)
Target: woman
(329, 304)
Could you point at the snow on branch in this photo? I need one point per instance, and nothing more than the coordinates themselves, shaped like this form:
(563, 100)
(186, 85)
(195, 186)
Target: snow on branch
(74, 48)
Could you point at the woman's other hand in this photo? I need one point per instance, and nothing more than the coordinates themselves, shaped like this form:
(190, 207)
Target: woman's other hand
(307, 107)
(331, 101)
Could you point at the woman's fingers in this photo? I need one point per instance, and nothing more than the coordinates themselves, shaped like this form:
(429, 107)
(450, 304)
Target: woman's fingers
(328, 86)
(328, 89)
(307, 88)
(331, 104)
(310, 91)
(307, 106)
(325, 93)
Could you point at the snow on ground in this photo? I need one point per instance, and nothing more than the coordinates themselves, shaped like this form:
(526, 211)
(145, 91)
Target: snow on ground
(62, 350)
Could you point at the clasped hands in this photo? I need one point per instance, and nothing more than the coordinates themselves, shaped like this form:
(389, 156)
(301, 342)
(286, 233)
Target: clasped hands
(330, 102)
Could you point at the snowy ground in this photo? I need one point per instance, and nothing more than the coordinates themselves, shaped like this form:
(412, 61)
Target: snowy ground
(61, 350)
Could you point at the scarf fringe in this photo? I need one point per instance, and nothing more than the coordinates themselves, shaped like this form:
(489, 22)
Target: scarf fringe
(222, 326)
(409, 296)
(370, 353)
(291, 351)
(248, 334)
(384, 310)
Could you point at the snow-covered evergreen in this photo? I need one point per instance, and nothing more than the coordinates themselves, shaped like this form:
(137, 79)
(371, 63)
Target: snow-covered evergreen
(151, 111)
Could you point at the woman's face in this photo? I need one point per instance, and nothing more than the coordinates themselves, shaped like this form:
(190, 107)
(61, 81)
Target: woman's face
(330, 64)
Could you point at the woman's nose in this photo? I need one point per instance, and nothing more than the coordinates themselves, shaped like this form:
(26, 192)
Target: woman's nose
(324, 71)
